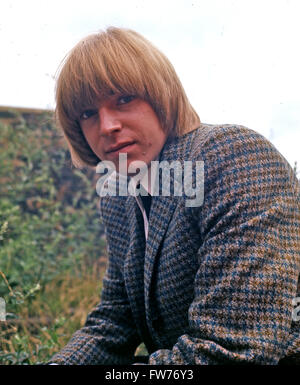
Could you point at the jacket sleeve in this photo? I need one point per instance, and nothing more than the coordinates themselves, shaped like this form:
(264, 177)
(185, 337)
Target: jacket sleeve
(109, 335)
(249, 258)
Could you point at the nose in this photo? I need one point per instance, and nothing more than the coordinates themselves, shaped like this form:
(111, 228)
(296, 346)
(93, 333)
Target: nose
(109, 122)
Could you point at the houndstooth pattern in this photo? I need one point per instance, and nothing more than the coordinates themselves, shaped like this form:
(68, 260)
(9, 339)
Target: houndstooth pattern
(213, 284)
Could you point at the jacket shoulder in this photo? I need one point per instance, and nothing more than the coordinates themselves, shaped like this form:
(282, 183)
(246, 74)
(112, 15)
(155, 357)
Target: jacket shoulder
(212, 137)
(225, 142)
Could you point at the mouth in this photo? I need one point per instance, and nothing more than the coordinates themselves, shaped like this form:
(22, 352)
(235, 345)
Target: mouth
(119, 146)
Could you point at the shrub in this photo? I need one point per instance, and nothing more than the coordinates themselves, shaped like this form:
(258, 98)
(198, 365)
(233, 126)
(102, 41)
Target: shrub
(50, 230)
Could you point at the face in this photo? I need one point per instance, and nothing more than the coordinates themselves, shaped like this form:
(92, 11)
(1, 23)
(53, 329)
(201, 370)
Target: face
(123, 124)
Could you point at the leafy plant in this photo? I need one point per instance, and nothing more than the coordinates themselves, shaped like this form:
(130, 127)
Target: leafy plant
(49, 232)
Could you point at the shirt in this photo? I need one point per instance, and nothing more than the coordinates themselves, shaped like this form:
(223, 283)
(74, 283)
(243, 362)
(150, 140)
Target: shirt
(144, 201)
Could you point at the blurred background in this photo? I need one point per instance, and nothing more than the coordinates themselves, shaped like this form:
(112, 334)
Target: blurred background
(238, 59)
(239, 63)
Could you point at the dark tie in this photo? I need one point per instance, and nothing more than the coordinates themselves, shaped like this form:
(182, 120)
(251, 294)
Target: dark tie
(147, 203)
(146, 199)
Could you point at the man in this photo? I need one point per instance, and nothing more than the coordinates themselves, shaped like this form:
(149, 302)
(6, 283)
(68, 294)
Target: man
(212, 283)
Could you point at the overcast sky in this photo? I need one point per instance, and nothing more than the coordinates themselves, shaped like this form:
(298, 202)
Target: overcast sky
(238, 59)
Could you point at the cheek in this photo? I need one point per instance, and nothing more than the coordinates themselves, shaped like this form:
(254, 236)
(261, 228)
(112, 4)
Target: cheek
(88, 136)
(93, 141)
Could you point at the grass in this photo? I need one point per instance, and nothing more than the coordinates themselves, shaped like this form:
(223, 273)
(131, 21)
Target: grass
(46, 323)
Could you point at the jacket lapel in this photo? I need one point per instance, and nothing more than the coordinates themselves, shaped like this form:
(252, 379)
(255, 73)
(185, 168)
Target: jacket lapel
(161, 213)
(134, 262)
(141, 257)
(162, 210)
(134, 270)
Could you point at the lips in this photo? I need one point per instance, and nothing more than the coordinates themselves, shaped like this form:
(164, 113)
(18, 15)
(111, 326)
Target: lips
(118, 146)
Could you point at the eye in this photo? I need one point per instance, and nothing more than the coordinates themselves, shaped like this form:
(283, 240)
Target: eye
(87, 114)
(125, 99)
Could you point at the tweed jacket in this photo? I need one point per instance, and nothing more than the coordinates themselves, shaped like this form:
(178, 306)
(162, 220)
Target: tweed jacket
(213, 284)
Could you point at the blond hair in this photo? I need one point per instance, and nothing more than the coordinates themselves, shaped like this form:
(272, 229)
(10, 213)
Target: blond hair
(119, 61)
